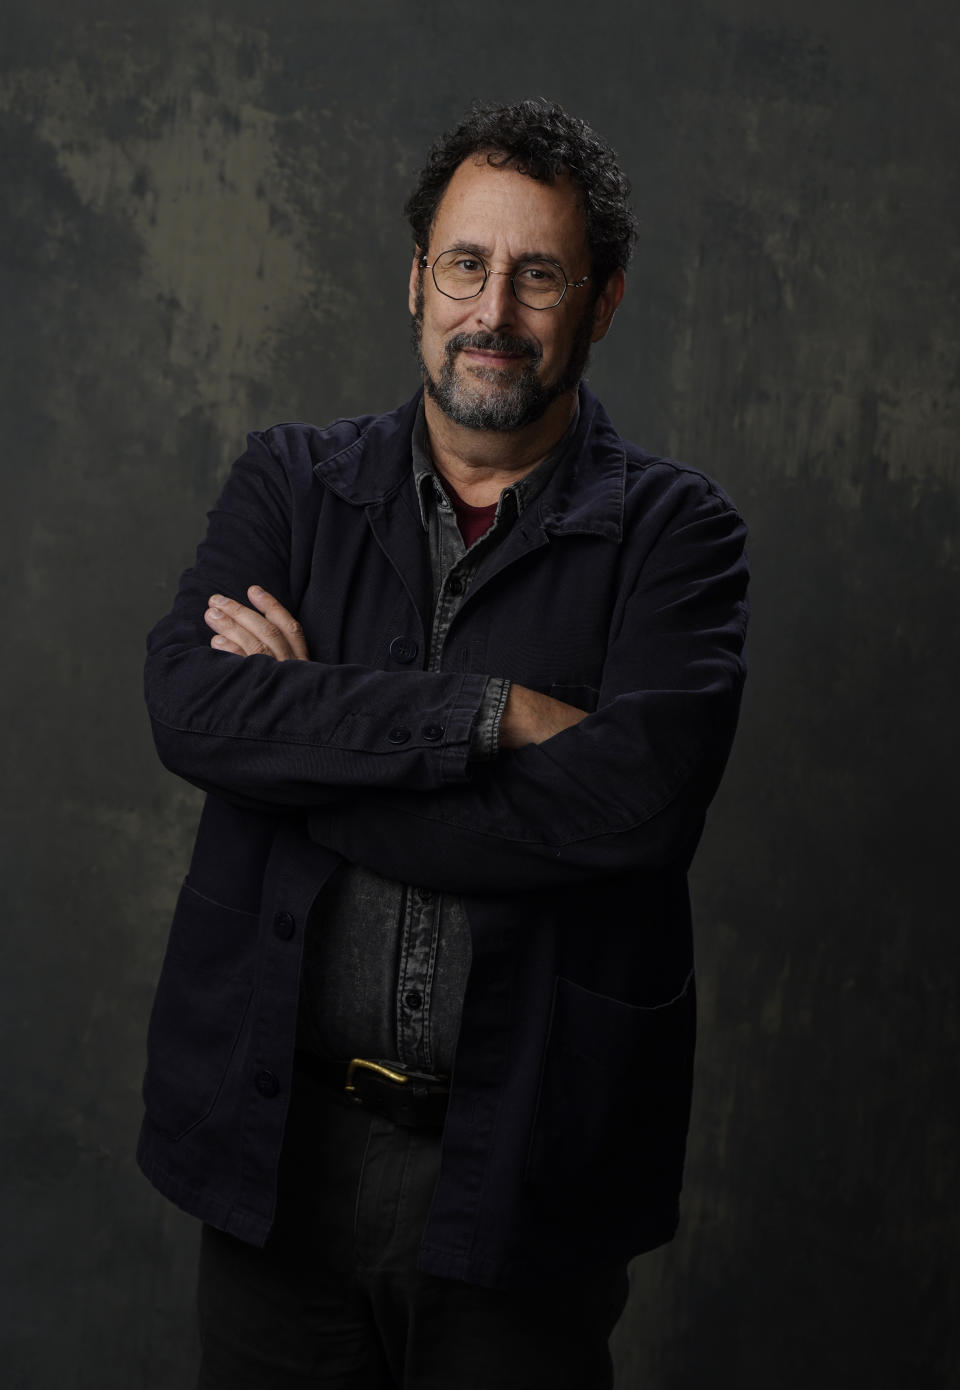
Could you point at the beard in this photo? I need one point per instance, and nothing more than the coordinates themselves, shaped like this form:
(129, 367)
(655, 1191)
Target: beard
(518, 398)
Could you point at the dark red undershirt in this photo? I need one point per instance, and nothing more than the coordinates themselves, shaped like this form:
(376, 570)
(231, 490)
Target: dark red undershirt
(472, 521)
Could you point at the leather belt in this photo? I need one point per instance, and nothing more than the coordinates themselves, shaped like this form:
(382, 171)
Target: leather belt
(390, 1089)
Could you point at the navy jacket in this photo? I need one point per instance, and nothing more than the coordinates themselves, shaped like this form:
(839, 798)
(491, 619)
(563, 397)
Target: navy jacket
(622, 591)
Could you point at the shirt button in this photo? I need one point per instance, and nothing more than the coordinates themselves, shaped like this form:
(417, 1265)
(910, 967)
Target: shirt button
(455, 585)
(413, 999)
(403, 649)
(266, 1083)
(433, 732)
(283, 925)
(399, 735)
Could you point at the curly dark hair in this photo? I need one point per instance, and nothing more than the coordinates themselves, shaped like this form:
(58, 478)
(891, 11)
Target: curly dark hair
(542, 140)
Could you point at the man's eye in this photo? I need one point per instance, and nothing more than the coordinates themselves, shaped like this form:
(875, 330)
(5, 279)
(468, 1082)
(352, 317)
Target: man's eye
(467, 264)
(539, 275)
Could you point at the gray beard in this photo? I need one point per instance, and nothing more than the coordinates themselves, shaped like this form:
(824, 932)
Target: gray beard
(519, 401)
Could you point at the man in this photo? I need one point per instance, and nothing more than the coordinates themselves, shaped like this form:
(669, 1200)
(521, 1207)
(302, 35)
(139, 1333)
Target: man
(460, 682)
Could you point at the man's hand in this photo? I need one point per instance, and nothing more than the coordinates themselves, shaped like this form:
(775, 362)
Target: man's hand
(532, 718)
(267, 629)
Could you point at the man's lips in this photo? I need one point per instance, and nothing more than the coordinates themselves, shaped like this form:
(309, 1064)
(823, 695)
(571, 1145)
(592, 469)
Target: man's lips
(488, 357)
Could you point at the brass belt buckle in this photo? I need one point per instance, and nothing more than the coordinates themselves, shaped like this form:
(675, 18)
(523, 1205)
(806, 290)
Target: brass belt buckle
(377, 1067)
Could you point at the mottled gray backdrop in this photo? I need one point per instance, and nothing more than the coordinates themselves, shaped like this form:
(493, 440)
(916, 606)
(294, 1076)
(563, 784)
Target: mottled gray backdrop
(201, 234)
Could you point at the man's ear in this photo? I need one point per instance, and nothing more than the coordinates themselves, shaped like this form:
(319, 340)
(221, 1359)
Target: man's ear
(416, 274)
(607, 303)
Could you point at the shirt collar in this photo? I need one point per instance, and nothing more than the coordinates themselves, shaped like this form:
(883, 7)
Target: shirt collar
(524, 491)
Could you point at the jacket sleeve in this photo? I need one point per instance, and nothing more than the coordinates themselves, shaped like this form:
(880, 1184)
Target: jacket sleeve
(625, 789)
(295, 733)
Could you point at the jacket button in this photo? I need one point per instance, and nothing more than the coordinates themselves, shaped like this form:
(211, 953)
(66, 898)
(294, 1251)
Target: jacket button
(455, 585)
(283, 925)
(433, 732)
(413, 999)
(399, 735)
(266, 1083)
(403, 649)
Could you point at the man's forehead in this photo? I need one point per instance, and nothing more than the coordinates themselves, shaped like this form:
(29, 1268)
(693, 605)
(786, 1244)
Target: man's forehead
(483, 202)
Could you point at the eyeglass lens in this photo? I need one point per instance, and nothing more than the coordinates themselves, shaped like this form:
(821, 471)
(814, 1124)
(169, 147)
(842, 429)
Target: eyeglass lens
(539, 284)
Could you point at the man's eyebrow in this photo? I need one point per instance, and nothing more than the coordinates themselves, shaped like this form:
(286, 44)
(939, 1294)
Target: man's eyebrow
(476, 249)
(473, 246)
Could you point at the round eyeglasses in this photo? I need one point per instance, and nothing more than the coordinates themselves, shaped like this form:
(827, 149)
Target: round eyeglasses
(538, 284)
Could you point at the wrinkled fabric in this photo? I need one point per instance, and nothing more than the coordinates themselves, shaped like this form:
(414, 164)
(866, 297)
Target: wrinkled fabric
(335, 1299)
(620, 590)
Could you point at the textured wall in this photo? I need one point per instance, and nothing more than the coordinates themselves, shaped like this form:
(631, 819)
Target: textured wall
(200, 234)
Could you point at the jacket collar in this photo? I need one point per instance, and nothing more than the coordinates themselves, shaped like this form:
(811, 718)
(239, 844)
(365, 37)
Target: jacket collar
(585, 494)
(373, 466)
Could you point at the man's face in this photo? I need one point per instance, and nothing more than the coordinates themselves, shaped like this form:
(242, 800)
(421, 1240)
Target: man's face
(491, 362)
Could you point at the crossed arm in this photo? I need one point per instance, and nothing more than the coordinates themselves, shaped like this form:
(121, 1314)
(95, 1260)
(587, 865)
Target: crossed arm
(268, 629)
(570, 796)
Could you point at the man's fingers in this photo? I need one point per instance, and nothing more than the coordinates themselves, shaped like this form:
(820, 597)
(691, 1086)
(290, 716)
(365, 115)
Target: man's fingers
(282, 619)
(251, 633)
(225, 617)
(223, 644)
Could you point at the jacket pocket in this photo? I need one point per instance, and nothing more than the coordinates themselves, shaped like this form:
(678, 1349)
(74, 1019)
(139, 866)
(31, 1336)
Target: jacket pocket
(202, 999)
(614, 1100)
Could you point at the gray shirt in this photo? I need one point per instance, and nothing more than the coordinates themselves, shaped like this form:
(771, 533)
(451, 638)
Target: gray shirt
(386, 963)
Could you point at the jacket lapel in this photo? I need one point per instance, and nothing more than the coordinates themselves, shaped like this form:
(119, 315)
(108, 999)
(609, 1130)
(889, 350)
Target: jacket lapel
(375, 472)
(399, 532)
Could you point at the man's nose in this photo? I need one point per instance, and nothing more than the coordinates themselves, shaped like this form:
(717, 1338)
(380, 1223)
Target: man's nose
(496, 303)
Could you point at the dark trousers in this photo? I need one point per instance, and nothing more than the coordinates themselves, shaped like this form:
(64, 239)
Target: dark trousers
(335, 1301)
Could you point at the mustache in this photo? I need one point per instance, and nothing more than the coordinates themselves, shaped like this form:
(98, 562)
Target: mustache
(493, 342)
